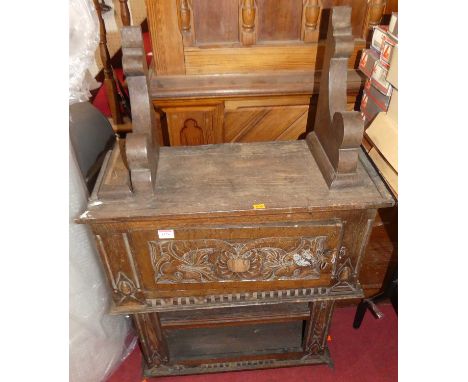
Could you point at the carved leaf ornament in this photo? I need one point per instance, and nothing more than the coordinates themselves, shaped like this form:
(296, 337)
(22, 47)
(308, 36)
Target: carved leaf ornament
(213, 260)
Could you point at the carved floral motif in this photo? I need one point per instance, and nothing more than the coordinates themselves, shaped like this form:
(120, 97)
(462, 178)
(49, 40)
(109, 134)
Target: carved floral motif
(126, 289)
(213, 260)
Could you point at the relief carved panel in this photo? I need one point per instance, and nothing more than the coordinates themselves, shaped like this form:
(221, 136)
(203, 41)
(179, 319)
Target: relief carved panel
(214, 260)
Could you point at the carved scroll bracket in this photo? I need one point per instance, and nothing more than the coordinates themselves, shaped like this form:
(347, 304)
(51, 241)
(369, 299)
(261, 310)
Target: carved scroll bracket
(248, 22)
(142, 148)
(312, 10)
(336, 139)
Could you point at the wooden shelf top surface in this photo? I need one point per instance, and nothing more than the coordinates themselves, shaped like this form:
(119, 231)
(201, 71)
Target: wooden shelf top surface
(228, 178)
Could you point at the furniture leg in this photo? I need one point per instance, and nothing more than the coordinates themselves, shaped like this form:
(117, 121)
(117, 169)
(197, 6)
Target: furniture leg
(316, 331)
(360, 313)
(389, 292)
(152, 342)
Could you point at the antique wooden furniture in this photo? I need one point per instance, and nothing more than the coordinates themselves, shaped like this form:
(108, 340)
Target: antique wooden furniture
(211, 84)
(245, 70)
(232, 256)
(247, 103)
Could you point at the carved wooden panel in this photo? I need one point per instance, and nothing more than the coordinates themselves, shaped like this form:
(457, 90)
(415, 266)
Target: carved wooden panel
(213, 260)
(216, 21)
(279, 20)
(120, 266)
(191, 126)
(218, 254)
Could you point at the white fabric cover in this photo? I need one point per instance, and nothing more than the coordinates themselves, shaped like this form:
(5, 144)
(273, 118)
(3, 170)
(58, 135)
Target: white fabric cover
(98, 341)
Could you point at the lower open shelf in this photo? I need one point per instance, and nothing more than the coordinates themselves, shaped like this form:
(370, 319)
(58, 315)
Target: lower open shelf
(229, 348)
(233, 341)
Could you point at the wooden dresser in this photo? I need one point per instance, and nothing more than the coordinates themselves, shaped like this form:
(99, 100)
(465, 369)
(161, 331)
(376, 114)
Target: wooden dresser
(232, 256)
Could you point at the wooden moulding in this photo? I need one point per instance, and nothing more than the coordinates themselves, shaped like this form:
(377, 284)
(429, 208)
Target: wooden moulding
(305, 82)
(335, 141)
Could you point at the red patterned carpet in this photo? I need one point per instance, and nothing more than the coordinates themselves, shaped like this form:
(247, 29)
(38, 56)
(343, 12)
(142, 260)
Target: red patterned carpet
(368, 354)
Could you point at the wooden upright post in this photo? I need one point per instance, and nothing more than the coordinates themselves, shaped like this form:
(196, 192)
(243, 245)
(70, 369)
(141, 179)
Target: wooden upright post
(125, 13)
(109, 80)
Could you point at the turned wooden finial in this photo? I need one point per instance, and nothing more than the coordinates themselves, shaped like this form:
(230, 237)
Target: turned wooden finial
(312, 11)
(125, 13)
(185, 15)
(109, 81)
(374, 13)
(185, 22)
(311, 16)
(142, 147)
(376, 10)
(336, 139)
(248, 12)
